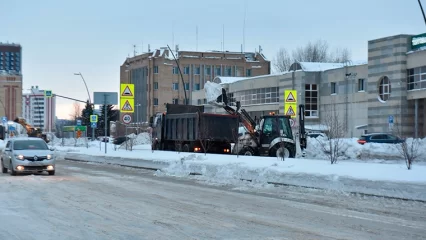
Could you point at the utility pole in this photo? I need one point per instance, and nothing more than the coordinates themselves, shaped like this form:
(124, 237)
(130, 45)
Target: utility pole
(421, 8)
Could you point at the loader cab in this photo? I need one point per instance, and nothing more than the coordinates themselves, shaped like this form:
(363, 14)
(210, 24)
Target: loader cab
(274, 126)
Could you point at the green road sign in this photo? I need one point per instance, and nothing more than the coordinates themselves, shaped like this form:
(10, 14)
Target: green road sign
(48, 93)
(81, 128)
(93, 118)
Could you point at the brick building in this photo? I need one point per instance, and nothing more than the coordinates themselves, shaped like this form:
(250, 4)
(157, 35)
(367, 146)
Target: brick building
(158, 80)
(10, 80)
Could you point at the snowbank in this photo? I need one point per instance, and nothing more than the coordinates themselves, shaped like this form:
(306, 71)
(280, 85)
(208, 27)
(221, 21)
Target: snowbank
(392, 180)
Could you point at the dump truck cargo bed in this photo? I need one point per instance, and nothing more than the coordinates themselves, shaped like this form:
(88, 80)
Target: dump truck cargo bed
(201, 126)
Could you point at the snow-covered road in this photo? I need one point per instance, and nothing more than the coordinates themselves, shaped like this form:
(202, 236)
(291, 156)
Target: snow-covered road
(90, 201)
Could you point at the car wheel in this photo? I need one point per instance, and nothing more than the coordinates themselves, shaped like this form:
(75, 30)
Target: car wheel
(51, 173)
(3, 169)
(12, 170)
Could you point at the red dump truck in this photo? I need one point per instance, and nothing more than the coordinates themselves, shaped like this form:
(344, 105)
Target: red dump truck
(188, 128)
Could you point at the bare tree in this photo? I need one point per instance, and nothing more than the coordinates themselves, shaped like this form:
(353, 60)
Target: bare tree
(340, 55)
(318, 51)
(333, 146)
(282, 60)
(236, 136)
(409, 149)
(76, 111)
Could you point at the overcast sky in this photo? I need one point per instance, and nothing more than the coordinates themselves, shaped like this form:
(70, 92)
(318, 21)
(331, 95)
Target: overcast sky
(94, 37)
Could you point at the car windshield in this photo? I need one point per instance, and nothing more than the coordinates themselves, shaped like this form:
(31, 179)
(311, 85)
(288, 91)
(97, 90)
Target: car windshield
(30, 145)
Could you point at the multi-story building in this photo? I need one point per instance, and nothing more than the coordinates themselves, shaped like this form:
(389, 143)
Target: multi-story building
(158, 79)
(385, 94)
(10, 80)
(39, 110)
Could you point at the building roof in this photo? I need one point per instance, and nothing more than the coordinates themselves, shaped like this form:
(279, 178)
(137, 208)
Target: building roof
(322, 66)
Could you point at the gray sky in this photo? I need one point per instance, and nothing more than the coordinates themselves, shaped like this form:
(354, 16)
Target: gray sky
(94, 37)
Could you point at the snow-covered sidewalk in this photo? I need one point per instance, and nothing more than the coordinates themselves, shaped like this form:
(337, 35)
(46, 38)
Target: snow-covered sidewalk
(392, 180)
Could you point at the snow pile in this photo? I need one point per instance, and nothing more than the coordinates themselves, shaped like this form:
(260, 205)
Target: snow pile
(141, 138)
(351, 150)
(212, 91)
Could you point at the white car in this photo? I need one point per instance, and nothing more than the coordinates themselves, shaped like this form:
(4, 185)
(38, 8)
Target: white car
(27, 155)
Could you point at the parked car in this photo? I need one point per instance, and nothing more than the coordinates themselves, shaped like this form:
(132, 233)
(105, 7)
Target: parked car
(317, 134)
(27, 155)
(379, 138)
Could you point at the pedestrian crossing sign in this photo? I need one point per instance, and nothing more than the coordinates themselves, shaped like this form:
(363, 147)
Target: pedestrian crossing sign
(127, 105)
(290, 110)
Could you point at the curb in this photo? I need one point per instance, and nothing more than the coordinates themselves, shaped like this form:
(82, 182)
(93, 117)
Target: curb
(321, 183)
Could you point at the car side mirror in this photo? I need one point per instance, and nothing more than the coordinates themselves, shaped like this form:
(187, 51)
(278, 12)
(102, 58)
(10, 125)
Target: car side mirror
(52, 149)
(7, 149)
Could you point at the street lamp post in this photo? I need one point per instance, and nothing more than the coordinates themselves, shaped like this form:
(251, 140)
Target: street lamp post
(90, 101)
(84, 81)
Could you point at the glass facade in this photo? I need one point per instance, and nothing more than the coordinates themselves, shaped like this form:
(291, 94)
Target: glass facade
(256, 96)
(416, 78)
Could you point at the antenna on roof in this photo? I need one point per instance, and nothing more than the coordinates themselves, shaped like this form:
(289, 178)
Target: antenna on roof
(149, 47)
(244, 26)
(223, 37)
(196, 38)
(173, 34)
(134, 50)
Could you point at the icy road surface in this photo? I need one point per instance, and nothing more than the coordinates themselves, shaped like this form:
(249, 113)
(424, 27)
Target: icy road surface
(87, 201)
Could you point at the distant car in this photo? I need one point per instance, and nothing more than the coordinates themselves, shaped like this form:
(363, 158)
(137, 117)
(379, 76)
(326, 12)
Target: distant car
(379, 138)
(120, 140)
(103, 139)
(27, 155)
(317, 134)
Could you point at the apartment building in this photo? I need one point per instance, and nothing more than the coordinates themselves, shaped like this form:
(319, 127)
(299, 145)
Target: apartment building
(387, 93)
(10, 80)
(39, 110)
(158, 77)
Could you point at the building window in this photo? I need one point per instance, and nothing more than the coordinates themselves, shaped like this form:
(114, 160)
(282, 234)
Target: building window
(333, 88)
(175, 86)
(175, 70)
(175, 101)
(384, 89)
(248, 72)
(416, 78)
(186, 70)
(208, 71)
(218, 71)
(155, 69)
(186, 86)
(228, 71)
(155, 101)
(205, 101)
(196, 87)
(199, 102)
(197, 71)
(311, 100)
(186, 101)
(361, 86)
(155, 85)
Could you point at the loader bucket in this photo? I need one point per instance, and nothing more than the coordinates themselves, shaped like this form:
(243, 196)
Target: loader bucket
(212, 91)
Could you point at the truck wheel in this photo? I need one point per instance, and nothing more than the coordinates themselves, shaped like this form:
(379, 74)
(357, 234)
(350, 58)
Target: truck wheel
(185, 148)
(278, 151)
(247, 151)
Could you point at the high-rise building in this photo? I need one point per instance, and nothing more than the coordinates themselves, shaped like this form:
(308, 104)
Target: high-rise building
(39, 110)
(158, 79)
(10, 80)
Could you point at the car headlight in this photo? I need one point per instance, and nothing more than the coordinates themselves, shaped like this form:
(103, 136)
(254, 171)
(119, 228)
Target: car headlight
(49, 156)
(20, 157)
